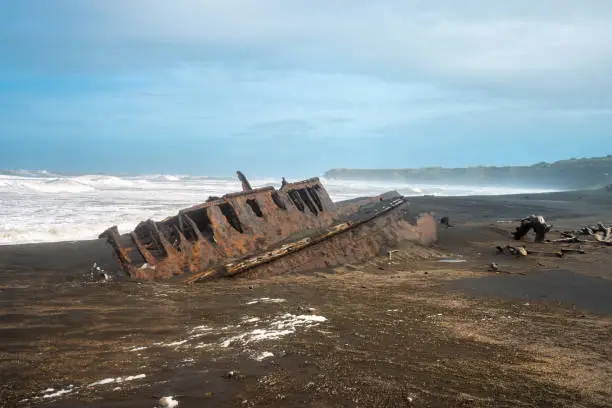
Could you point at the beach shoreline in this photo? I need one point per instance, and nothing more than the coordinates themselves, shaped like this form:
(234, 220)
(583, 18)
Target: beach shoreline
(410, 331)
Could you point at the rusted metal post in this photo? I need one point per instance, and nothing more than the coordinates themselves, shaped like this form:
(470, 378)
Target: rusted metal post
(112, 237)
(246, 186)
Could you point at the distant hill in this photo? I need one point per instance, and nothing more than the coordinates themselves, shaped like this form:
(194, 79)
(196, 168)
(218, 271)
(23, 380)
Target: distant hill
(565, 174)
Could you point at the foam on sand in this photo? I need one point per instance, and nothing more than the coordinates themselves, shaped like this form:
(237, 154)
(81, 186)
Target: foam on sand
(52, 393)
(117, 380)
(262, 356)
(265, 300)
(277, 328)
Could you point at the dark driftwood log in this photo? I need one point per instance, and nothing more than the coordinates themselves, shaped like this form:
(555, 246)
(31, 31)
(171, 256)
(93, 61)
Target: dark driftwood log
(537, 223)
(518, 251)
(573, 251)
(569, 240)
(445, 221)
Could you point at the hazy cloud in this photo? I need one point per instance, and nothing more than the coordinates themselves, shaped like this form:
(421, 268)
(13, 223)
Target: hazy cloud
(335, 68)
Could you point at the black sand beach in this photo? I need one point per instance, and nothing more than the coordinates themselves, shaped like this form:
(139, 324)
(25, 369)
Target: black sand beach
(410, 331)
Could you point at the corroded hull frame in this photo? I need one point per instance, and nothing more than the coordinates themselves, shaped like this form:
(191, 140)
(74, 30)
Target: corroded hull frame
(242, 231)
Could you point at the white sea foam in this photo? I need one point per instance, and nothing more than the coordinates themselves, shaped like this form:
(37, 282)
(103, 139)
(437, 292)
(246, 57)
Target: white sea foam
(102, 382)
(202, 328)
(38, 206)
(264, 300)
(177, 343)
(262, 356)
(51, 393)
(117, 380)
(277, 328)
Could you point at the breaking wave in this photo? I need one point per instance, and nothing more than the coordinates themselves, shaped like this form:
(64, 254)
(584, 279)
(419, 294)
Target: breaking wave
(39, 206)
(40, 185)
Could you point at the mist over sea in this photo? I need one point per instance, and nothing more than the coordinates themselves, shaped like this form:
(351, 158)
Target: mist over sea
(37, 206)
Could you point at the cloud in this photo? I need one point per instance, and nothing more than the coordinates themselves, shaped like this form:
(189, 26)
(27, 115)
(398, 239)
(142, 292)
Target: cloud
(499, 47)
(212, 101)
(198, 69)
(434, 37)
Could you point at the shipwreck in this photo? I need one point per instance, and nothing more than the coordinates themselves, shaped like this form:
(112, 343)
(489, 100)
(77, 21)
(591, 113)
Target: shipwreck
(267, 230)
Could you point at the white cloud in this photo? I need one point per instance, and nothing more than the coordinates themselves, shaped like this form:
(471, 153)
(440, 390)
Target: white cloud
(335, 67)
(454, 38)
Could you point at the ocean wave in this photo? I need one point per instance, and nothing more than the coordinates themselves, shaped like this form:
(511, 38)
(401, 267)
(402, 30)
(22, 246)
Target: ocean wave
(40, 185)
(104, 181)
(40, 207)
(28, 173)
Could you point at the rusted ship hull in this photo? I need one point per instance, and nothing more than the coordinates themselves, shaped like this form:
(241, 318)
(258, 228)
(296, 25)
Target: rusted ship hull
(265, 229)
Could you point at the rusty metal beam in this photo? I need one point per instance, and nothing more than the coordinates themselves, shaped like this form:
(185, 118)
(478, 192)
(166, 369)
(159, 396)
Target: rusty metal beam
(193, 226)
(204, 243)
(146, 254)
(161, 239)
(112, 237)
(246, 186)
(243, 265)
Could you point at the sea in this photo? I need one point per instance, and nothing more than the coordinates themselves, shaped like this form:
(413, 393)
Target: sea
(40, 206)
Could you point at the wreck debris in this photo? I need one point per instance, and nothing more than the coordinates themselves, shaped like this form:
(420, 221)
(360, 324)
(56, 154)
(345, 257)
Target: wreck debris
(600, 233)
(572, 251)
(234, 268)
(391, 252)
(249, 229)
(518, 251)
(246, 186)
(445, 221)
(522, 251)
(537, 223)
(494, 267)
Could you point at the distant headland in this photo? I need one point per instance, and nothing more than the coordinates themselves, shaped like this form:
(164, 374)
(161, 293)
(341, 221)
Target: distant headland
(575, 173)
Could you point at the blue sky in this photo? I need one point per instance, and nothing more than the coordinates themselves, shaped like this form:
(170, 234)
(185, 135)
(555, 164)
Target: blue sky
(297, 87)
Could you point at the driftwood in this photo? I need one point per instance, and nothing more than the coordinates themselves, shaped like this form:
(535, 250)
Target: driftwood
(537, 223)
(600, 233)
(495, 268)
(446, 222)
(573, 251)
(511, 250)
(522, 251)
(568, 240)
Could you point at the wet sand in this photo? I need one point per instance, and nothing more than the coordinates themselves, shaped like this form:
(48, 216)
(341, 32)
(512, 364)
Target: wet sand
(412, 331)
(588, 293)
